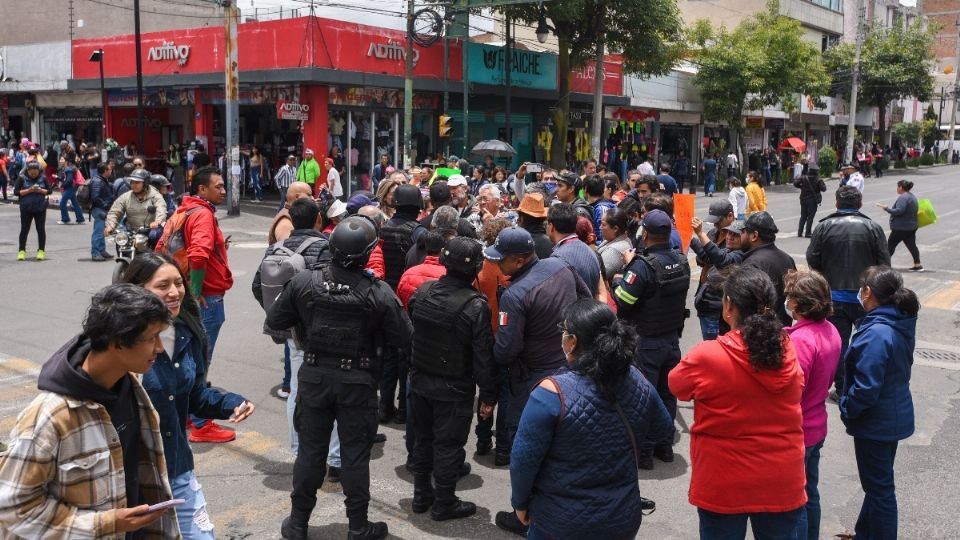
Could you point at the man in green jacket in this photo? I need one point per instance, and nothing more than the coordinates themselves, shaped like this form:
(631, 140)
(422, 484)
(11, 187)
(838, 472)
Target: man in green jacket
(309, 170)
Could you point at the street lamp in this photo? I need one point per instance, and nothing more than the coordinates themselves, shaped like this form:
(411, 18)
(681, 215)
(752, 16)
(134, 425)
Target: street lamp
(543, 30)
(97, 56)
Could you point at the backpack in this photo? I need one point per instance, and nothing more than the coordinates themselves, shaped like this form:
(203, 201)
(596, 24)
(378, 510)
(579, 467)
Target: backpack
(173, 243)
(83, 196)
(279, 267)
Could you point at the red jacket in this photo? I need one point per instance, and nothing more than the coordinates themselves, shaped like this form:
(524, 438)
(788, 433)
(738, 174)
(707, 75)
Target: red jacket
(415, 276)
(375, 262)
(746, 442)
(206, 249)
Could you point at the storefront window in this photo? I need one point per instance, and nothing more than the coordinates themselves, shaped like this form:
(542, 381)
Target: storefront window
(79, 125)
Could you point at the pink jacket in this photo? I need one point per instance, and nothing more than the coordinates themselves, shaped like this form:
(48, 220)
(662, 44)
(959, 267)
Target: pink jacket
(817, 344)
(415, 276)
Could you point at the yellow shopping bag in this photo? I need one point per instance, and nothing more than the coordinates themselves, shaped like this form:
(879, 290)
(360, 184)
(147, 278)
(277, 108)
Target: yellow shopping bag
(926, 215)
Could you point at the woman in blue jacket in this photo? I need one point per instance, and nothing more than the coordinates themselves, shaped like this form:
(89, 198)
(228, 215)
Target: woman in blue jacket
(177, 386)
(573, 467)
(876, 405)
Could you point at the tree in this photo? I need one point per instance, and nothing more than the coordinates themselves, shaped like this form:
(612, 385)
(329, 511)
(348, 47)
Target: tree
(763, 62)
(895, 63)
(649, 33)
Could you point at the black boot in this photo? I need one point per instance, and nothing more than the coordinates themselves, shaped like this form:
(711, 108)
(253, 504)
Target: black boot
(292, 530)
(422, 492)
(400, 417)
(484, 447)
(449, 506)
(371, 531)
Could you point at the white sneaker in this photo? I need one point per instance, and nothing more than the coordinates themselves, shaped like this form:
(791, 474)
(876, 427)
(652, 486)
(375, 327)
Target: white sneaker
(63, 223)
(282, 393)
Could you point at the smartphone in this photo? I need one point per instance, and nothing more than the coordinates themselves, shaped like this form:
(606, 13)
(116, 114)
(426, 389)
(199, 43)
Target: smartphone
(164, 505)
(243, 409)
(534, 168)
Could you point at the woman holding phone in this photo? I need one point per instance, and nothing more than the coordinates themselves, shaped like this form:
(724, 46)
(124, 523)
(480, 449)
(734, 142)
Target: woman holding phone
(177, 386)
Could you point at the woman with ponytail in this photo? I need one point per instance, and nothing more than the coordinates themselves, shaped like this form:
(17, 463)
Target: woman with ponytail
(573, 468)
(876, 404)
(746, 442)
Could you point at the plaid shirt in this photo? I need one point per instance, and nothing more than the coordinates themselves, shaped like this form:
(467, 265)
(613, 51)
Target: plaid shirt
(63, 474)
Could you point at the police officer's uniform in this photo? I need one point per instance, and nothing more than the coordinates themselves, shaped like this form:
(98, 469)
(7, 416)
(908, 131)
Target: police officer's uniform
(652, 297)
(341, 316)
(452, 354)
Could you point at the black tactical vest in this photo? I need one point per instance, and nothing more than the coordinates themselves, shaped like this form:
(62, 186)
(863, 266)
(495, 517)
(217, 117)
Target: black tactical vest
(436, 348)
(666, 310)
(397, 241)
(341, 324)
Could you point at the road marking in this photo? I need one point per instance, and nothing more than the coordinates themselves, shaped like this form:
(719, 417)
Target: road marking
(947, 297)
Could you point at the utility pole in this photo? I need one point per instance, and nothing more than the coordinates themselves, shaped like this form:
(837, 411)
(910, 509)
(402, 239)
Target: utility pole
(408, 93)
(136, 39)
(466, 84)
(597, 104)
(852, 121)
(231, 153)
(956, 97)
(508, 68)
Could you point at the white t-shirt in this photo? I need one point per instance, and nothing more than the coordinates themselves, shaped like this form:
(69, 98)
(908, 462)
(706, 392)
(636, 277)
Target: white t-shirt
(169, 338)
(333, 181)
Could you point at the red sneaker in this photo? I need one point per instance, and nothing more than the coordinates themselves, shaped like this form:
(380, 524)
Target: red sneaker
(211, 433)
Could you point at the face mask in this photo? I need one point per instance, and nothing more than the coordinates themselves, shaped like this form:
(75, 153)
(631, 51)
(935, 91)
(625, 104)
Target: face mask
(860, 299)
(786, 306)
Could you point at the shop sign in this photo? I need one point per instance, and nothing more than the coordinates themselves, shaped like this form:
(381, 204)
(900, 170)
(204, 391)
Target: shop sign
(773, 123)
(152, 123)
(528, 69)
(387, 98)
(254, 94)
(152, 97)
(808, 105)
(293, 111)
(391, 50)
(753, 122)
(169, 50)
(582, 80)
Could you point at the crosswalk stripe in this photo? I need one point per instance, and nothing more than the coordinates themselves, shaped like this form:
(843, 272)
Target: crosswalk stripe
(947, 297)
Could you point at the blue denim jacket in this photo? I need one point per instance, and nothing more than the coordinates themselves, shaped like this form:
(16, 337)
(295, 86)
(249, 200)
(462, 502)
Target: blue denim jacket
(177, 388)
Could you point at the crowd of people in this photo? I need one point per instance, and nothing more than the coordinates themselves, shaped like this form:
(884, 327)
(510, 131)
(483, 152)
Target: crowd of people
(547, 304)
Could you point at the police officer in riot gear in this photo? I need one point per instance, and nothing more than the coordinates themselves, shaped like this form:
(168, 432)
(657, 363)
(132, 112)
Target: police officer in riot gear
(341, 316)
(452, 354)
(652, 296)
(399, 235)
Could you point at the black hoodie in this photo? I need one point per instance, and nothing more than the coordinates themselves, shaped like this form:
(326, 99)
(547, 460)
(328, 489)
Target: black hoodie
(62, 374)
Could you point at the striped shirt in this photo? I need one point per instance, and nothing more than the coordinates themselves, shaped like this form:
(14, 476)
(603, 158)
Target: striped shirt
(62, 476)
(285, 176)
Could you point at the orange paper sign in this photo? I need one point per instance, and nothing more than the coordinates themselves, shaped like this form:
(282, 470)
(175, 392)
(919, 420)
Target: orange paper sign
(683, 213)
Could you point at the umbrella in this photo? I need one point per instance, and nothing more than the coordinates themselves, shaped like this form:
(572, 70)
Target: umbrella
(793, 143)
(495, 148)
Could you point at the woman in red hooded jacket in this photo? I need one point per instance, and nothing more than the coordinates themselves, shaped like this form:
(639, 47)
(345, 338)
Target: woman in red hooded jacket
(746, 442)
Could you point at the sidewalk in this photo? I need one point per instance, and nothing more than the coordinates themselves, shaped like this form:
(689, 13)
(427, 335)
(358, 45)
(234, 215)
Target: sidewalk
(788, 188)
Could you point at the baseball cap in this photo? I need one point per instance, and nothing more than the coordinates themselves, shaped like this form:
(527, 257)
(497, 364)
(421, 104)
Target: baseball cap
(453, 158)
(358, 201)
(456, 180)
(718, 210)
(761, 222)
(337, 209)
(734, 227)
(439, 193)
(848, 165)
(570, 179)
(308, 151)
(657, 222)
(512, 241)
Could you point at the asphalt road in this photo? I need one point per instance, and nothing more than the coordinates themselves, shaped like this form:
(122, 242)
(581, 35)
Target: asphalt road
(247, 482)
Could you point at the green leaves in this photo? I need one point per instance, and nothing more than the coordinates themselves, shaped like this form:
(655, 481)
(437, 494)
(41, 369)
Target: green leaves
(763, 62)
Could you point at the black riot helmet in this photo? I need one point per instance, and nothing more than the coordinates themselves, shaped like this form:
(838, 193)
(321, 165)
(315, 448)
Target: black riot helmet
(407, 195)
(352, 241)
(462, 257)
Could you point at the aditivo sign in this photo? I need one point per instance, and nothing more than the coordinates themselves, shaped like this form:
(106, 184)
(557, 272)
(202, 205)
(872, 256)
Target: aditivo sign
(287, 110)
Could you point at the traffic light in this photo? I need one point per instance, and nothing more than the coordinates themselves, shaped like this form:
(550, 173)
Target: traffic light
(446, 125)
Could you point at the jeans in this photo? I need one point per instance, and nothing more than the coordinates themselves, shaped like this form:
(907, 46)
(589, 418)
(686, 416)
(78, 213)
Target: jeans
(710, 184)
(808, 210)
(765, 525)
(808, 526)
(257, 188)
(192, 515)
(709, 327)
(70, 196)
(283, 198)
(98, 245)
(296, 361)
(519, 392)
(40, 220)
(909, 239)
(878, 515)
(212, 318)
(485, 428)
(845, 317)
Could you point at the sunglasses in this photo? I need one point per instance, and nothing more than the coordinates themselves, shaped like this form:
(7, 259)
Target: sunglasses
(562, 328)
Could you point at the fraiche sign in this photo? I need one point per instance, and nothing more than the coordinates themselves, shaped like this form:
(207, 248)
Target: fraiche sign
(169, 51)
(293, 111)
